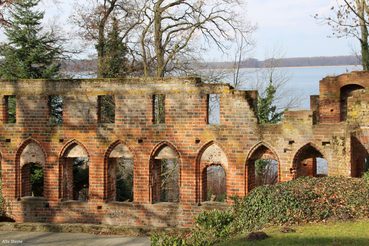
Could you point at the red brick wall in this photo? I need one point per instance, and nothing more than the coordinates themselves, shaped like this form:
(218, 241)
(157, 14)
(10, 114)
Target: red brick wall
(185, 129)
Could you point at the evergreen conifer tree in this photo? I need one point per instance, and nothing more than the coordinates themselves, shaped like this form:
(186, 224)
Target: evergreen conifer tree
(116, 51)
(29, 52)
(267, 111)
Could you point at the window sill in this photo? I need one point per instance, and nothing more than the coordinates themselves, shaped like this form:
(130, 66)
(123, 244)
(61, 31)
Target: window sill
(214, 204)
(10, 124)
(106, 125)
(117, 203)
(32, 198)
(166, 204)
(73, 202)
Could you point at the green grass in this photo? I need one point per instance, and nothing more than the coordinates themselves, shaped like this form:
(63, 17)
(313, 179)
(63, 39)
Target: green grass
(337, 234)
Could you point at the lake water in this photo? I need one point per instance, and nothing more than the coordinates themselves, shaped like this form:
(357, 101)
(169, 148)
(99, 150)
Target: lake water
(300, 81)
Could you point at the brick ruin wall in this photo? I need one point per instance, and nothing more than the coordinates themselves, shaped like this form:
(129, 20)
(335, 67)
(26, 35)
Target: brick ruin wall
(234, 144)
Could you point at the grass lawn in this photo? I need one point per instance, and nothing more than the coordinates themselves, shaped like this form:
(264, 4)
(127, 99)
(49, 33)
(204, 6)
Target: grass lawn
(335, 234)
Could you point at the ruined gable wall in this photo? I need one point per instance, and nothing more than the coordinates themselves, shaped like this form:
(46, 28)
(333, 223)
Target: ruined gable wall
(186, 128)
(329, 98)
(296, 131)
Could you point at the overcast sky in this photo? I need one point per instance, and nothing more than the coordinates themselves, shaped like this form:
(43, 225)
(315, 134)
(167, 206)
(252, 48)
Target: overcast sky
(290, 24)
(287, 25)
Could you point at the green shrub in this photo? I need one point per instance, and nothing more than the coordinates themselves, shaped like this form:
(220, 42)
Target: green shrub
(164, 239)
(299, 201)
(366, 176)
(303, 200)
(216, 221)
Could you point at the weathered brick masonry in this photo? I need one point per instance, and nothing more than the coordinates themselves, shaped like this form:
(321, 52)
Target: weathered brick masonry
(335, 129)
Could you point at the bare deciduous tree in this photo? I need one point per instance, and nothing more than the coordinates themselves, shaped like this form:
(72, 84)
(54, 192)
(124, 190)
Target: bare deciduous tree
(164, 35)
(3, 5)
(350, 18)
(174, 26)
(95, 17)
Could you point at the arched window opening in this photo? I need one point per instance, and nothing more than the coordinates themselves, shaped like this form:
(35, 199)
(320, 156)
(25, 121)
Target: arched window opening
(31, 162)
(32, 175)
(262, 168)
(120, 174)
(214, 184)
(165, 171)
(75, 173)
(345, 92)
(359, 158)
(310, 162)
(266, 172)
(212, 181)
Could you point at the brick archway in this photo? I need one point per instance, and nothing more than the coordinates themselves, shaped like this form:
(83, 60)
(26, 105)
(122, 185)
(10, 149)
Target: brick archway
(29, 152)
(71, 151)
(305, 161)
(211, 154)
(165, 188)
(118, 150)
(261, 151)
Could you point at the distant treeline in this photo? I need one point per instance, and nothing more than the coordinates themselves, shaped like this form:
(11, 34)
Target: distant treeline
(289, 62)
(90, 65)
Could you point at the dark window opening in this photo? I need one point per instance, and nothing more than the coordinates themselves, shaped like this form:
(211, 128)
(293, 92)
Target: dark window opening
(80, 179)
(214, 184)
(359, 158)
(159, 109)
(56, 110)
(32, 180)
(10, 109)
(213, 109)
(106, 109)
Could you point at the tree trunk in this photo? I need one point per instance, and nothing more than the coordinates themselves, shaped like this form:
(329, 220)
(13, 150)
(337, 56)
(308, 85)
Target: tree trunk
(158, 36)
(100, 47)
(361, 6)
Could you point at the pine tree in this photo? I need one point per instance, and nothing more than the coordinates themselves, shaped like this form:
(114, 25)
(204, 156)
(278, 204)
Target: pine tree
(267, 112)
(29, 52)
(116, 51)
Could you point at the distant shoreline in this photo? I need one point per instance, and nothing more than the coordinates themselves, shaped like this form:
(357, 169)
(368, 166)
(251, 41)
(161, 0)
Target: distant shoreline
(251, 63)
(228, 68)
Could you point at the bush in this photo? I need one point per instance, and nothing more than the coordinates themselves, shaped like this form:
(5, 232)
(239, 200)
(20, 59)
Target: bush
(303, 200)
(164, 239)
(366, 176)
(299, 201)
